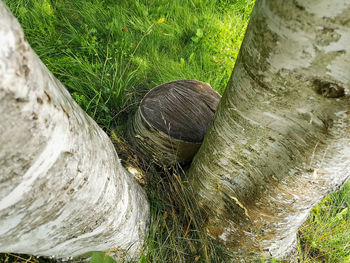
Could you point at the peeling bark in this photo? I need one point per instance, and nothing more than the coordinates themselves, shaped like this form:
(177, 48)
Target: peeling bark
(279, 142)
(63, 191)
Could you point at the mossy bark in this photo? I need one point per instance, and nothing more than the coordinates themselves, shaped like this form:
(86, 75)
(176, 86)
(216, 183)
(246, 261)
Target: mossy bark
(277, 144)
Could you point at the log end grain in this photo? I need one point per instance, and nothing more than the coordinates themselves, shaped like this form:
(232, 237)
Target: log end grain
(172, 120)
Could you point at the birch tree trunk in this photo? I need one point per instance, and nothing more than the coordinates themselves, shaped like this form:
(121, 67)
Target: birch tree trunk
(63, 191)
(280, 139)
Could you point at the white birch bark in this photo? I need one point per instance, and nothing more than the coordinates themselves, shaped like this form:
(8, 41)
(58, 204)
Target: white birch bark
(280, 139)
(63, 191)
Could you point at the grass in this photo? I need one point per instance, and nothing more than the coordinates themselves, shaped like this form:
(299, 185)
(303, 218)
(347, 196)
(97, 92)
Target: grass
(325, 236)
(110, 53)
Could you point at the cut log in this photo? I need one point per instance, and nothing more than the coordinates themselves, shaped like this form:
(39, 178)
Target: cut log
(172, 119)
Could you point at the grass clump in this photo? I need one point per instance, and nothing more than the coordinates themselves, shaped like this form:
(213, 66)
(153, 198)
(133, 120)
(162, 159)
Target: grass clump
(325, 236)
(175, 233)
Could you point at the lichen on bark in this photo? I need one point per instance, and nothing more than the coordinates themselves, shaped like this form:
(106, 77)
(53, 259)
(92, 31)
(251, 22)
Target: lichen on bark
(275, 142)
(63, 191)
